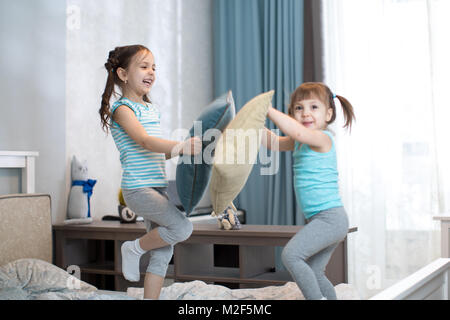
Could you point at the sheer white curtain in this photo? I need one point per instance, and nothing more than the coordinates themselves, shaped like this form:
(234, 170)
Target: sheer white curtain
(390, 59)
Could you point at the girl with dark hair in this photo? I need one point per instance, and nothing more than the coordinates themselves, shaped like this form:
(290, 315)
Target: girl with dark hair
(311, 110)
(135, 126)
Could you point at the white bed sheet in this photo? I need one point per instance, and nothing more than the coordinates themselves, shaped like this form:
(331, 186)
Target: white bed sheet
(199, 290)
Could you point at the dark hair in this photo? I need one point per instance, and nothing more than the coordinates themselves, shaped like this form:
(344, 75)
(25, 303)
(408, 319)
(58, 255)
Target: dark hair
(318, 90)
(120, 57)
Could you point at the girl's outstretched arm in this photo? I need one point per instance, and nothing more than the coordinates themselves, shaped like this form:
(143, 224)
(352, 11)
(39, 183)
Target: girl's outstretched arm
(276, 143)
(298, 132)
(126, 118)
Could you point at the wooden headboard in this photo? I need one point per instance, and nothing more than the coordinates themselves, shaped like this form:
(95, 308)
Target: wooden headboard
(25, 227)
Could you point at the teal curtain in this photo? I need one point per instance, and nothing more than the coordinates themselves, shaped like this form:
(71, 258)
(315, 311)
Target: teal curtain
(258, 47)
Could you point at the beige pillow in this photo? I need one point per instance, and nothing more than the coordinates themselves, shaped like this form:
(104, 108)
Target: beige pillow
(237, 151)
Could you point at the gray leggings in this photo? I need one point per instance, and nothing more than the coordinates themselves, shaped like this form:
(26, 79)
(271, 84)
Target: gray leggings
(158, 212)
(307, 254)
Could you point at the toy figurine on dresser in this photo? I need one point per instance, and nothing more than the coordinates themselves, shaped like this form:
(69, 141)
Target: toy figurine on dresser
(228, 219)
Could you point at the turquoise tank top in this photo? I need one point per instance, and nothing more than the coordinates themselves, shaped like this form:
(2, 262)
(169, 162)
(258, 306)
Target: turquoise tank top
(316, 179)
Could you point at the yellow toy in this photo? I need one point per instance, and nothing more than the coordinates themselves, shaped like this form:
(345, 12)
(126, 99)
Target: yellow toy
(125, 213)
(121, 199)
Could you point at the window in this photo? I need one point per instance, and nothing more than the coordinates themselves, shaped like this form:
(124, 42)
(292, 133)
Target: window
(389, 58)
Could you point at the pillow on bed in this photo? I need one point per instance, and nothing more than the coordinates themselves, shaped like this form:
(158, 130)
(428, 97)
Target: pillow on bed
(29, 279)
(34, 279)
(235, 157)
(192, 176)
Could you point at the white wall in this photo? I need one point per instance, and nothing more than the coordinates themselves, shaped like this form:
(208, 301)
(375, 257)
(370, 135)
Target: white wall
(53, 78)
(32, 90)
(179, 33)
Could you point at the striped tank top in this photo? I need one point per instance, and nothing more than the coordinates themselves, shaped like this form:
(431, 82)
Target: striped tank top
(141, 167)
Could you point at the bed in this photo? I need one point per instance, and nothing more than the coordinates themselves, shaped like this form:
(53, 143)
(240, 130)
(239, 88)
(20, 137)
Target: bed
(34, 279)
(27, 271)
(429, 283)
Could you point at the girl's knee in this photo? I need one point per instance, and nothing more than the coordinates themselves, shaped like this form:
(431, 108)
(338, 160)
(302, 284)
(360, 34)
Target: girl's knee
(319, 273)
(285, 257)
(289, 256)
(186, 229)
(182, 230)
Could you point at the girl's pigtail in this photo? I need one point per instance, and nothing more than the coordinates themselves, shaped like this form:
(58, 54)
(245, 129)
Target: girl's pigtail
(105, 113)
(349, 115)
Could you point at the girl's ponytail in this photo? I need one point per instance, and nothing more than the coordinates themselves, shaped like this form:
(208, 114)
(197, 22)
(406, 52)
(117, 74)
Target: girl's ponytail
(349, 115)
(105, 113)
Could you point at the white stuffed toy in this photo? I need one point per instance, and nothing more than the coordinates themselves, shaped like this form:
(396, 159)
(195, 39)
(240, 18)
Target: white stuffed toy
(78, 207)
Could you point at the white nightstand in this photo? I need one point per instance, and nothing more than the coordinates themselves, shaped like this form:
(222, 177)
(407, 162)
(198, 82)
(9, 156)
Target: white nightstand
(24, 160)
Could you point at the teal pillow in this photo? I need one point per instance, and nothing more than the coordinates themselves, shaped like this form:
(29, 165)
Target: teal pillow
(194, 172)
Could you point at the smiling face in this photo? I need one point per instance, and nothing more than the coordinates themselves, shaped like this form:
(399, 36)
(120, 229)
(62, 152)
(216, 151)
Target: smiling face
(312, 105)
(140, 75)
(312, 113)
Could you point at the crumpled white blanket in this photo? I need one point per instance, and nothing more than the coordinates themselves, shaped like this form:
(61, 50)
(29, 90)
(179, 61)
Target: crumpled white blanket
(34, 279)
(199, 290)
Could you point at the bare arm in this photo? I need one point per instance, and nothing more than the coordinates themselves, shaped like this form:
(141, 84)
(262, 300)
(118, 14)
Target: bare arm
(276, 143)
(126, 118)
(298, 132)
